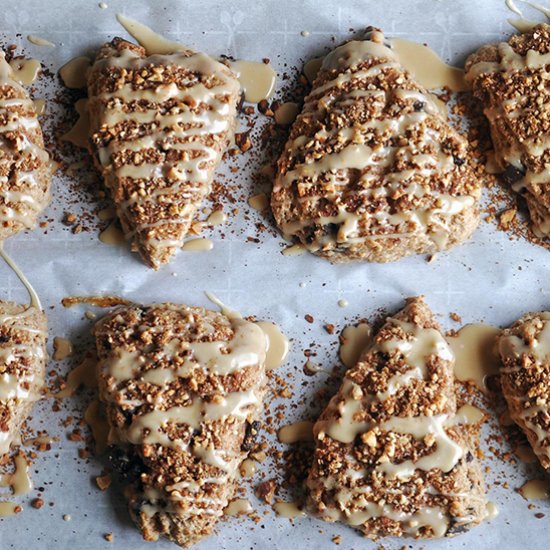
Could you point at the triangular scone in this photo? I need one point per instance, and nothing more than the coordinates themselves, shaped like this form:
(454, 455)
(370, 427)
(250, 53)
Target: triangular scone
(25, 170)
(525, 377)
(183, 387)
(23, 334)
(159, 127)
(511, 79)
(372, 170)
(391, 458)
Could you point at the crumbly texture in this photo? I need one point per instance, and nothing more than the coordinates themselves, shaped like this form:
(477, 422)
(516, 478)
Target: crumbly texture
(16, 340)
(525, 382)
(186, 516)
(502, 94)
(380, 195)
(459, 493)
(156, 210)
(25, 170)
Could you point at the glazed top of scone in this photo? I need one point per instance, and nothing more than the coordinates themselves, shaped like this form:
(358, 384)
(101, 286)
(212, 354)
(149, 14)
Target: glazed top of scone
(371, 157)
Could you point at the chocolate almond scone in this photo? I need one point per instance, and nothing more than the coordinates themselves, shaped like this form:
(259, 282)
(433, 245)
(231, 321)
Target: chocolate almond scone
(23, 334)
(511, 79)
(25, 170)
(391, 458)
(183, 387)
(525, 377)
(159, 126)
(372, 170)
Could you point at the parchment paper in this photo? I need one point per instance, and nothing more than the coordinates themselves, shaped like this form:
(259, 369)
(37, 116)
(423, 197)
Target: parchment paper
(490, 278)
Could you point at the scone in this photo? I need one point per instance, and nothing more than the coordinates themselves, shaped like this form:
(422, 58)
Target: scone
(390, 457)
(23, 333)
(525, 378)
(183, 387)
(372, 170)
(25, 169)
(511, 79)
(159, 127)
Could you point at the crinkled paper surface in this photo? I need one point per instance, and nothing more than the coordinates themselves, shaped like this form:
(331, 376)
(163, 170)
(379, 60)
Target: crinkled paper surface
(491, 278)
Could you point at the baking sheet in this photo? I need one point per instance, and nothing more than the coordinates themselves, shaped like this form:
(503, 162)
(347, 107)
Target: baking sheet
(490, 278)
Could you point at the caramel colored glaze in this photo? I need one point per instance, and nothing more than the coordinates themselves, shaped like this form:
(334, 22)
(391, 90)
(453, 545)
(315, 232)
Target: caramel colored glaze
(39, 41)
(238, 507)
(19, 481)
(74, 72)
(82, 375)
(198, 245)
(286, 113)
(427, 67)
(257, 79)
(288, 510)
(25, 71)
(510, 80)
(23, 333)
(475, 354)
(25, 168)
(353, 341)
(278, 345)
(259, 202)
(9, 509)
(536, 489)
(247, 468)
(98, 301)
(98, 425)
(62, 348)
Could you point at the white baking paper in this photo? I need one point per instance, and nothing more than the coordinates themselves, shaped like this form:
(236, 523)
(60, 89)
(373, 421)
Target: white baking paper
(490, 278)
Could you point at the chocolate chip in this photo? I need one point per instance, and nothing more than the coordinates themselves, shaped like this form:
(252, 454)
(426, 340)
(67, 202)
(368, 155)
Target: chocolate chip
(458, 161)
(128, 467)
(511, 175)
(418, 105)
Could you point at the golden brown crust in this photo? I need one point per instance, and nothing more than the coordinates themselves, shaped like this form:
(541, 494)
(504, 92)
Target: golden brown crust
(381, 504)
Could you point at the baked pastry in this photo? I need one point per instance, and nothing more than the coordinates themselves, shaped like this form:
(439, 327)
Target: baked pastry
(183, 387)
(25, 169)
(159, 127)
(390, 457)
(510, 79)
(525, 378)
(372, 170)
(23, 333)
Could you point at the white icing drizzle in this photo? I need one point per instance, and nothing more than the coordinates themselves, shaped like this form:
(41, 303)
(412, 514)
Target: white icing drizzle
(355, 154)
(418, 347)
(535, 412)
(203, 113)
